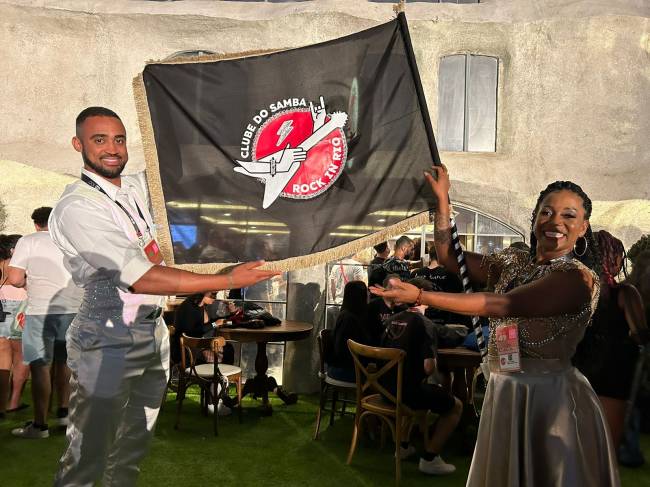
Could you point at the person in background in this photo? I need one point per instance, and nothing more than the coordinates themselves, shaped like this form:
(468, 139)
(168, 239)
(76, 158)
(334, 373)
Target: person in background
(380, 309)
(375, 270)
(442, 281)
(351, 323)
(412, 332)
(398, 263)
(192, 318)
(52, 303)
(343, 272)
(608, 353)
(630, 453)
(13, 372)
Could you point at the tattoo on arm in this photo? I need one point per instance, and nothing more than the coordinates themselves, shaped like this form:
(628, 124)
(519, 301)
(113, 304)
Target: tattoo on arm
(442, 230)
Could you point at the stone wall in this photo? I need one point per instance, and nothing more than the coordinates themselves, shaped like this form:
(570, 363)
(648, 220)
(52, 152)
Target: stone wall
(573, 84)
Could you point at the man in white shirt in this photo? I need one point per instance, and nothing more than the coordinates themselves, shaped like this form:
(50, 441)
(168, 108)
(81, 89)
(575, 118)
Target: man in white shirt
(118, 347)
(52, 302)
(342, 272)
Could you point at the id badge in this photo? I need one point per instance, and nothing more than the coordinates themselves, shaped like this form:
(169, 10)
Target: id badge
(507, 340)
(152, 251)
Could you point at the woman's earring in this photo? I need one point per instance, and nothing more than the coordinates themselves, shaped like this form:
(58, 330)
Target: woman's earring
(575, 252)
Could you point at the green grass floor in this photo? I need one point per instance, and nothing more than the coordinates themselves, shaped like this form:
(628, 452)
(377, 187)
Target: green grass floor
(262, 451)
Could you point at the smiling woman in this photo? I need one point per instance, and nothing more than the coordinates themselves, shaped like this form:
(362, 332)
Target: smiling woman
(541, 412)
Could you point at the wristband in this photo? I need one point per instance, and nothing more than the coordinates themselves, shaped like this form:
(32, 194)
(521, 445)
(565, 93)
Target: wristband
(418, 300)
(231, 282)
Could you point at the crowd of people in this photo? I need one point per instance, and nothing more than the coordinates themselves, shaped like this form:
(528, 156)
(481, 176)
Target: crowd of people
(82, 304)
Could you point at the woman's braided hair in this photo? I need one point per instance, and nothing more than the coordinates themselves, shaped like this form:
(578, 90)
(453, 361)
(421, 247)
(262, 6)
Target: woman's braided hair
(591, 257)
(612, 254)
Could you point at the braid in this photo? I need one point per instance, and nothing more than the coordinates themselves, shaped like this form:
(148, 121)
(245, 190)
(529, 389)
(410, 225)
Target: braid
(612, 252)
(591, 257)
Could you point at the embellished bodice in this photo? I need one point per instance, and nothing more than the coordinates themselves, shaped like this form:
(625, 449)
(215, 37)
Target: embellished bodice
(554, 337)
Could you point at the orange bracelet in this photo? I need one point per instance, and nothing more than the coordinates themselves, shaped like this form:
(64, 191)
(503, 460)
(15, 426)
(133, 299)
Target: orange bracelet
(418, 300)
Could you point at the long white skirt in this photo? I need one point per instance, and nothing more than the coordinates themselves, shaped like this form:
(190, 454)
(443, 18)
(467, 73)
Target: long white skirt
(543, 427)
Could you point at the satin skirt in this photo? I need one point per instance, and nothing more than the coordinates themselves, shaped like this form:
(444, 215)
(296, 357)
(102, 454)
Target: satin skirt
(542, 427)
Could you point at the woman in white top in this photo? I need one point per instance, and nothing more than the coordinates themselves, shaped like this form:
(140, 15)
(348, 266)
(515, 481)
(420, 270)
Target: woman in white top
(13, 372)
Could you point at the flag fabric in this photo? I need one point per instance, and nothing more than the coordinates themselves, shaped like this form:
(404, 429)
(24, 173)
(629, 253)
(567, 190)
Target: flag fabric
(299, 157)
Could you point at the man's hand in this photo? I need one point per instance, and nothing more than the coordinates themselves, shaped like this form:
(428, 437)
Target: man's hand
(289, 156)
(247, 274)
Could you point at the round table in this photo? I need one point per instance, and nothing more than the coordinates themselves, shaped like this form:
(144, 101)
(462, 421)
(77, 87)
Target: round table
(286, 331)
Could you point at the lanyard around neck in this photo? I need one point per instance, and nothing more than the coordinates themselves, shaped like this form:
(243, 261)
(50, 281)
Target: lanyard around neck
(93, 184)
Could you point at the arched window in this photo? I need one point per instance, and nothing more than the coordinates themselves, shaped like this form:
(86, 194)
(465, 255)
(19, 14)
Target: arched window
(467, 103)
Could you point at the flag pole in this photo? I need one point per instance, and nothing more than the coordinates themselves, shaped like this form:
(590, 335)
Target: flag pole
(458, 249)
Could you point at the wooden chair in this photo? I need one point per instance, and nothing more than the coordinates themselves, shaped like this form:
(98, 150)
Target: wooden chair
(328, 384)
(373, 399)
(209, 377)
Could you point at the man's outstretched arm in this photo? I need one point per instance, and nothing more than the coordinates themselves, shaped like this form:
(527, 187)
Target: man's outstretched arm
(169, 281)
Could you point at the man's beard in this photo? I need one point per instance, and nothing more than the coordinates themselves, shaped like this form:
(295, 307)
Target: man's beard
(102, 171)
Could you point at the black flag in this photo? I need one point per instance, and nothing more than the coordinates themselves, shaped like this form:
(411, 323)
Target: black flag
(299, 156)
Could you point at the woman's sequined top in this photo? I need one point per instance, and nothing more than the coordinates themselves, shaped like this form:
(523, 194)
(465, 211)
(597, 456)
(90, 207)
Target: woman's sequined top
(554, 337)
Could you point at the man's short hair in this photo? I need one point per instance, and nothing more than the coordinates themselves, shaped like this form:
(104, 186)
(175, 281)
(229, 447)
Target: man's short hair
(40, 215)
(403, 241)
(93, 112)
(421, 283)
(381, 248)
(387, 279)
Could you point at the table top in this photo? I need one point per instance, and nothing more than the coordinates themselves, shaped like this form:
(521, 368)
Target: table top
(288, 330)
(459, 357)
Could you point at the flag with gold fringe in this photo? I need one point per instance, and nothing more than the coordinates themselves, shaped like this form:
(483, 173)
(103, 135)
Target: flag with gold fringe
(299, 157)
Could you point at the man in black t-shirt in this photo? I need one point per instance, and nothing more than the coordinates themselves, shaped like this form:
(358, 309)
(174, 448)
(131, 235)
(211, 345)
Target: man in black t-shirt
(376, 272)
(443, 281)
(397, 263)
(407, 331)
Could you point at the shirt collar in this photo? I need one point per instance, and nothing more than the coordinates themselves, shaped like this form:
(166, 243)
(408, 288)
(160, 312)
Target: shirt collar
(111, 189)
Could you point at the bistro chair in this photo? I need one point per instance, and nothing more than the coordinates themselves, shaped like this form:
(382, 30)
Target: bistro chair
(371, 364)
(328, 383)
(210, 377)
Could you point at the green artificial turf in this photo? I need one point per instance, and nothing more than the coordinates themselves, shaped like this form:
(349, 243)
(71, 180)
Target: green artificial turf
(262, 451)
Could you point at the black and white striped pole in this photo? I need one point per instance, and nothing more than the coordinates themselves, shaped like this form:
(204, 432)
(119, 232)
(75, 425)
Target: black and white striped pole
(467, 286)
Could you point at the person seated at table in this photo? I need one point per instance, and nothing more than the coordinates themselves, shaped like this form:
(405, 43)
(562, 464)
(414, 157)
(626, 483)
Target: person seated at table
(379, 310)
(351, 323)
(441, 280)
(408, 331)
(192, 319)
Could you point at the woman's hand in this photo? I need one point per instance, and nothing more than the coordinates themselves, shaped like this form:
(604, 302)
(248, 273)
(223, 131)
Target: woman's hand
(438, 179)
(400, 292)
(247, 274)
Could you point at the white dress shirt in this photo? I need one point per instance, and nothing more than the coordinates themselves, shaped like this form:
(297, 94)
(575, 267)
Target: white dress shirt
(100, 243)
